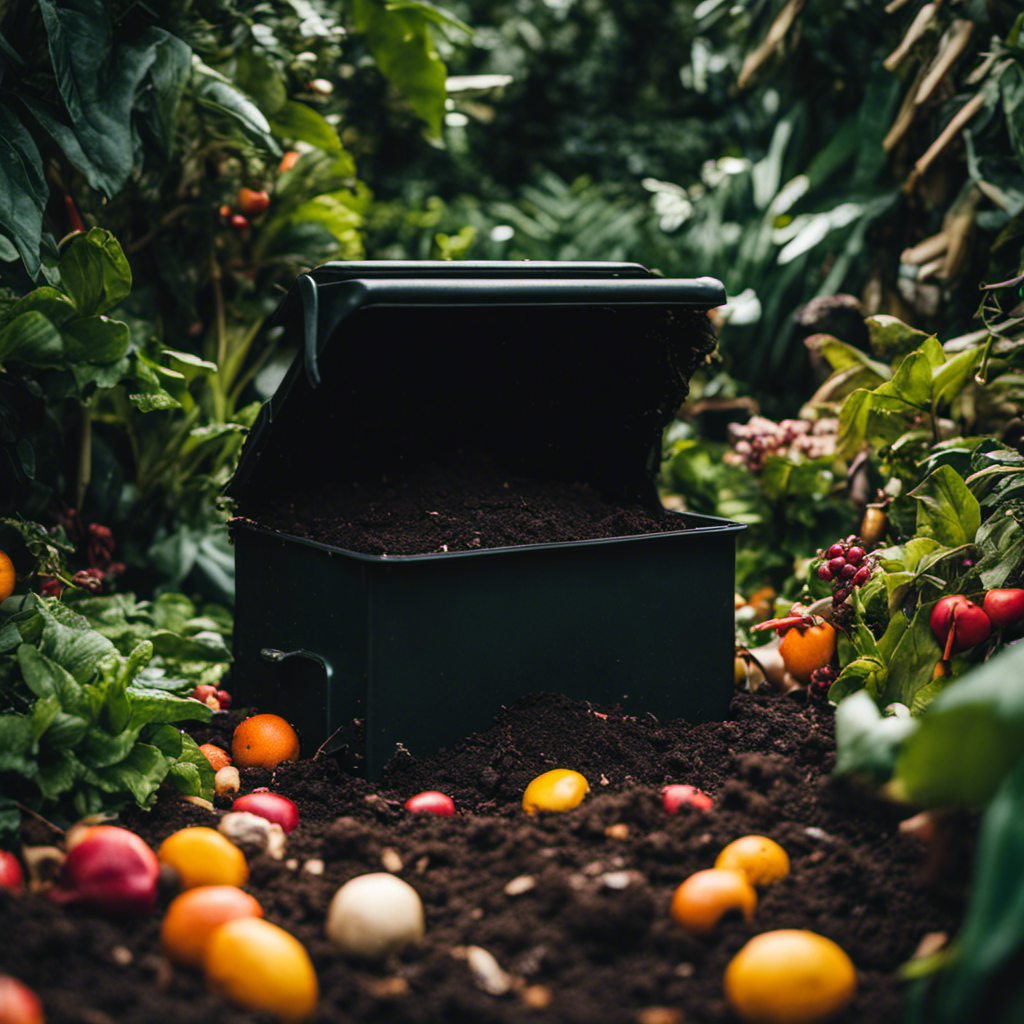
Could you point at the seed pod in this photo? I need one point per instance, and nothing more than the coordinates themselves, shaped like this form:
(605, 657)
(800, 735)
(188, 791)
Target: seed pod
(873, 525)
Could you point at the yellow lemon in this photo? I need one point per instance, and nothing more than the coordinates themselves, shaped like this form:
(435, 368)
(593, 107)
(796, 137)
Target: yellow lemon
(558, 790)
(761, 859)
(261, 967)
(202, 856)
(789, 977)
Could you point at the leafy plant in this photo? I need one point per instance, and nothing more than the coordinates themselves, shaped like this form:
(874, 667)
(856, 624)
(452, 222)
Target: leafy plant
(92, 710)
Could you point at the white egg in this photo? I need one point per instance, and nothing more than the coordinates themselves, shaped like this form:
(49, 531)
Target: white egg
(374, 915)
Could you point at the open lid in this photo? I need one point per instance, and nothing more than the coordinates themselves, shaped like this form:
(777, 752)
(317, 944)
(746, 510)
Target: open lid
(553, 370)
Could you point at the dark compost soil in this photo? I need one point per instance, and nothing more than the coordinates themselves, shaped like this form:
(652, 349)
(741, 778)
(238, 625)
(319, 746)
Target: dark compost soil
(465, 503)
(590, 939)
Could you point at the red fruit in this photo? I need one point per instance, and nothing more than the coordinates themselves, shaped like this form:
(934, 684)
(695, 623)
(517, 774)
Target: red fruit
(289, 160)
(431, 802)
(861, 576)
(18, 1003)
(836, 551)
(11, 877)
(959, 624)
(224, 698)
(253, 202)
(204, 691)
(110, 869)
(680, 795)
(855, 556)
(239, 223)
(824, 573)
(1004, 607)
(836, 564)
(848, 571)
(272, 806)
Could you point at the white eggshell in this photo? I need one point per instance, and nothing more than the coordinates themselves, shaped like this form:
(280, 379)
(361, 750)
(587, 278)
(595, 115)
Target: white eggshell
(374, 915)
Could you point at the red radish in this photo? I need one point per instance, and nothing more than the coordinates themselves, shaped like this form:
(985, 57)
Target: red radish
(18, 1003)
(680, 795)
(206, 693)
(11, 877)
(224, 699)
(1004, 607)
(110, 869)
(959, 624)
(272, 806)
(431, 802)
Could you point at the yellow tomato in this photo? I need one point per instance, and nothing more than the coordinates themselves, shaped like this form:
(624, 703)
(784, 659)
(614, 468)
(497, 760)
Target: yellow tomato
(202, 856)
(707, 896)
(558, 790)
(192, 917)
(789, 977)
(261, 967)
(761, 859)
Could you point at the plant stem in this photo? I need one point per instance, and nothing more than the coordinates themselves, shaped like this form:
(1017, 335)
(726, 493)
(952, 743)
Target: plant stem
(84, 456)
(222, 337)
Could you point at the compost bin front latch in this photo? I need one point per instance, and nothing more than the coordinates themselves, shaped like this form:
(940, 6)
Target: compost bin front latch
(311, 326)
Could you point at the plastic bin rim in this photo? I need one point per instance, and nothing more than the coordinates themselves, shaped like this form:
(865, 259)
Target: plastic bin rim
(700, 524)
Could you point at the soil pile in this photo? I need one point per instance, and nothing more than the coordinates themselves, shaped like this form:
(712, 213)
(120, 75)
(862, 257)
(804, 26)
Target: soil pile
(460, 505)
(573, 906)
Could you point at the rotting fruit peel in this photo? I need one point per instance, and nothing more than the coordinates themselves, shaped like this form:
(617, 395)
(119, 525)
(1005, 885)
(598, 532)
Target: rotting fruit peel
(789, 977)
(700, 903)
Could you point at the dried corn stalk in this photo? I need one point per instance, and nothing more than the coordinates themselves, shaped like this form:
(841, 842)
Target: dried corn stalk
(776, 33)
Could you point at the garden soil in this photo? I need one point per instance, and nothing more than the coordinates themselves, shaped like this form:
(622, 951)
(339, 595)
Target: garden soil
(464, 503)
(573, 907)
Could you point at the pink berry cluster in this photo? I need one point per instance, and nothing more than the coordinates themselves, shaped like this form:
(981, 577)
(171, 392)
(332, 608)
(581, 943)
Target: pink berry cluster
(760, 437)
(845, 565)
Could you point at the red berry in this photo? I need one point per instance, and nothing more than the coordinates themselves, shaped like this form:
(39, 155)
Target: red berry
(431, 802)
(824, 573)
(848, 571)
(239, 223)
(840, 595)
(224, 698)
(204, 691)
(855, 555)
(680, 795)
(253, 202)
(1004, 607)
(861, 577)
(836, 551)
(836, 564)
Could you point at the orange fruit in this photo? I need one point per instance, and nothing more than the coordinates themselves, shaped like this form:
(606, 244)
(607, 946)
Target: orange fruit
(761, 859)
(218, 758)
(202, 856)
(192, 916)
(7, 580)
(789, 977)
(560, 789)
(261, 967)
(264, 741)
(707, 896)
(804, 650)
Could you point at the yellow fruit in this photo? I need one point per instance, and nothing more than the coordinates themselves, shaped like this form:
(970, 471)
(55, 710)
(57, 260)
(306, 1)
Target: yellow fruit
(707, 896)
(761, 859)
(202, 856)
(261, 967)
(7, 577)
(789, 977)
(558, 790)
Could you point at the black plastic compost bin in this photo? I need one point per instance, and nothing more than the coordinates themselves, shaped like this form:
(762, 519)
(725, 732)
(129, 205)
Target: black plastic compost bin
(564, 370)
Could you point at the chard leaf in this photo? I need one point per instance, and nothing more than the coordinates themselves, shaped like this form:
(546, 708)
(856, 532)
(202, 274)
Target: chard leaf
(192, 774)
(58, 774)
(46, 678)
(913, 660)
(66, 731)
(160, 706)
(69, 640)
(139, 774)
(16, 740)
(101, 749)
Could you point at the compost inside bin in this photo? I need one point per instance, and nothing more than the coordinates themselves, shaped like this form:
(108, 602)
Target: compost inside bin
(452, 428)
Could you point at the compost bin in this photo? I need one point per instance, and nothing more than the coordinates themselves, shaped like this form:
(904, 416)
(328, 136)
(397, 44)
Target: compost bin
(562, 373)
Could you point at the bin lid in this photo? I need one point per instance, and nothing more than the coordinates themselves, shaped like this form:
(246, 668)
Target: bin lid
(556, 369)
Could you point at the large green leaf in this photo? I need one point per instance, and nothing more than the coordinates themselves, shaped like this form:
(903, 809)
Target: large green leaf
(96, 339)
(298, 122)
(23, 191)
(867, 742)
(95, 272)
(970, 736)
(70, 641)
(401, 43)
(220, 95)
(53, 304)
(31, 338)
(947, 511)
(192, 774)
(99, 85)
(45, 678)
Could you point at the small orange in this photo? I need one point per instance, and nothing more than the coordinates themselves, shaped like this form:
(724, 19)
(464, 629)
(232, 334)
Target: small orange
(217, 757)
(761, 859)
(7, 579)
(202, 856)
(264, 741)
(805, 649)
(261, 967)
(192, 916)
(707, 896)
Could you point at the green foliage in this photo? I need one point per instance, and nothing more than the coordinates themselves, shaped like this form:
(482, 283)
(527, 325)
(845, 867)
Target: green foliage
(92, 688)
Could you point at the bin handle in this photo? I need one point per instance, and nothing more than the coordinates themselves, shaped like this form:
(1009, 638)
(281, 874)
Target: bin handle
(275, 656)
(310, 323)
